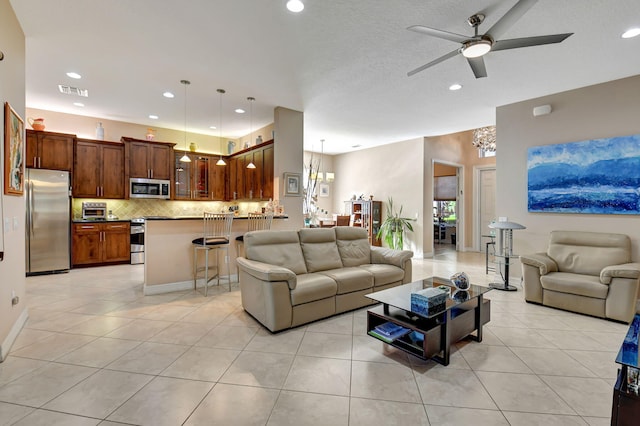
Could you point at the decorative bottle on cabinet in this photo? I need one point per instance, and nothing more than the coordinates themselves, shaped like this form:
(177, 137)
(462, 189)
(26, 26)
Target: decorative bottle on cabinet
(100, 132)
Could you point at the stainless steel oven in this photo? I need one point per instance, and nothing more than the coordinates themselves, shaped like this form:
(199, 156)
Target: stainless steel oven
(137, 241)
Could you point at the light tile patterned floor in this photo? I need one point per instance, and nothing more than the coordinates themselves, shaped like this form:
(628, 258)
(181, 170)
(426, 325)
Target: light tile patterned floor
(96, 351)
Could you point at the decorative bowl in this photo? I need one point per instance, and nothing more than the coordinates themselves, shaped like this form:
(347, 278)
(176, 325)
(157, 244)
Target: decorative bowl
(460, 280)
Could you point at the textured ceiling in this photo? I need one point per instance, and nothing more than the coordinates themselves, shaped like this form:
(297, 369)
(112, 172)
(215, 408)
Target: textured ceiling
(343, 63)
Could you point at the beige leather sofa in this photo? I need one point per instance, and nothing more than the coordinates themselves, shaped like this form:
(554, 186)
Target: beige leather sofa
(586, 272)
(289, 278)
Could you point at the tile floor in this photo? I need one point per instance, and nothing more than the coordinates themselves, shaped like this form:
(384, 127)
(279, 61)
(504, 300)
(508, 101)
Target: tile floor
(96, 351)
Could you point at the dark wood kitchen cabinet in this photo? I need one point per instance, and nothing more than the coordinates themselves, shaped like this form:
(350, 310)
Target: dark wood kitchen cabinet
(146, 159)
(256, 183)
(101, 243)
(48, 150)
(192, 178)
(98, 170)
(218, 179)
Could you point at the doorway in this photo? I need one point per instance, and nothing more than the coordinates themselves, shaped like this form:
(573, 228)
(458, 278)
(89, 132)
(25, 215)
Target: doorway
(447, 207)
(486, 203)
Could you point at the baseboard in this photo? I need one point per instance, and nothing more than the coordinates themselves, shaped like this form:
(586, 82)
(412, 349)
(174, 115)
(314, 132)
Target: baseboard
(150, 290)
(13, 334)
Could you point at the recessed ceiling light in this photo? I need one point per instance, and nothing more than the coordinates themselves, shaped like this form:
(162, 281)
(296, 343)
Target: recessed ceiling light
(295, 6)
(213, 127)
(153, 116)
(168, 95)
(78, 104)
(455, 86)
(631, 33)
(74, 75)
(240, 111)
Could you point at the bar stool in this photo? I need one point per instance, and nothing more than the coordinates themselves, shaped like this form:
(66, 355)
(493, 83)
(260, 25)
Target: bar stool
(255, 222)
(216, 234)
(492, 243)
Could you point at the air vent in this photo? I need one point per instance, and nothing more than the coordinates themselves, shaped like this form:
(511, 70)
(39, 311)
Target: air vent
(68, 90)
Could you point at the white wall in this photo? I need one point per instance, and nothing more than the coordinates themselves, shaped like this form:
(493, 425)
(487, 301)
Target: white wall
(394, 170)
(600, 111)
(12, 269)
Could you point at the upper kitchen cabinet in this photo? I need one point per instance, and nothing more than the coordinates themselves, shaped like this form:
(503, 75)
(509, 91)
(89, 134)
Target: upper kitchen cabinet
(199, 179)
(48, 150)
(255, 183)
(217, 179)
(267, 172)
(98, 169)
(146, 159)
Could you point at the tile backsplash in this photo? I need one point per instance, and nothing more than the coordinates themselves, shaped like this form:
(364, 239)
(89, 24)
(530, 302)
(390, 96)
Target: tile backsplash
(128, 209)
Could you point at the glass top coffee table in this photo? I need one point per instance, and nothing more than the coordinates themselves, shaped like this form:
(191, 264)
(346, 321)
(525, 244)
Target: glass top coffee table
(428, 334)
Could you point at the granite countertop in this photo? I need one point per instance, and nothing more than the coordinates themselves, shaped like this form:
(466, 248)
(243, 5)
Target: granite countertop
(99, 220)
(200, 217)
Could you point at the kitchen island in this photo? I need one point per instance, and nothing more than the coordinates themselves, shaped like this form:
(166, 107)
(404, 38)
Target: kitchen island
(168, 263)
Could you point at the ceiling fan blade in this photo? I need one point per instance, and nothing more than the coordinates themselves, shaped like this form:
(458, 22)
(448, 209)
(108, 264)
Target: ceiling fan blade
(432, 63)
(516, 43)
(510, 18)
(459, 38)
(477, 66)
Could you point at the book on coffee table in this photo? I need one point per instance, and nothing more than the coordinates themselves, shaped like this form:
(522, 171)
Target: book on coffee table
(390, 331)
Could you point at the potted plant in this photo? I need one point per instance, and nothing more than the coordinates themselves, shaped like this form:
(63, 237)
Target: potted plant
(393, 227)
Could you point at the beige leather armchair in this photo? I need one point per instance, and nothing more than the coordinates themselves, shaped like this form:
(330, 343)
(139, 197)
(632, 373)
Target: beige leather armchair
(586, 272)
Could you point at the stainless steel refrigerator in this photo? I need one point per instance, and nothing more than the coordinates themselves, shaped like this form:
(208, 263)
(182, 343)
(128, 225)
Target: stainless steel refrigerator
(48, 221)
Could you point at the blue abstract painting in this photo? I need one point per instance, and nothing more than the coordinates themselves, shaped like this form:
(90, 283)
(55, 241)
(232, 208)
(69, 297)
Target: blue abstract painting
(599, 176)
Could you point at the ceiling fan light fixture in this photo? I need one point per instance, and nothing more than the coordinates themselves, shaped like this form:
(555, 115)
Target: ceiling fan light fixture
(476, 48)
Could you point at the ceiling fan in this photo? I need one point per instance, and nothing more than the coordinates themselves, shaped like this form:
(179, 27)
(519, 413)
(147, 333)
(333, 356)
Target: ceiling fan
(475, 47)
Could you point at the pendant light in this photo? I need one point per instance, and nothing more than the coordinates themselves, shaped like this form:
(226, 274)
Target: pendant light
(251, 99)
(220, 162)
(185, 158)
(320, 174)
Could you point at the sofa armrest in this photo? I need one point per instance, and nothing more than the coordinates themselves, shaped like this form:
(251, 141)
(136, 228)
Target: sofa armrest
(267, 272)
(389, 256)
(626, 270)
(540, 261)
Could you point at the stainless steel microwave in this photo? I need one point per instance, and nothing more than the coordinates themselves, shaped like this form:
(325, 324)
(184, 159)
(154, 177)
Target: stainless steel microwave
(149, 188)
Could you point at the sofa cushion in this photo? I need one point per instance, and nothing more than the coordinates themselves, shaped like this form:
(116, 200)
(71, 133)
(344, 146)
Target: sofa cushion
(312, 287)
(588, 252)
(350, 279)
(280, 248)
(353, 245)
(319, 249)
(582, 285)
(384, 274)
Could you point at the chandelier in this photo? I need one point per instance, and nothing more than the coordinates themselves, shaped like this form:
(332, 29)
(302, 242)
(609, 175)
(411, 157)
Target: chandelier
(484, 138)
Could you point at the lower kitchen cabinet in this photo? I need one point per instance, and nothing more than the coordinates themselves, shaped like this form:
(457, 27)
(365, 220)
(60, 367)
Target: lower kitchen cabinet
(101, 243)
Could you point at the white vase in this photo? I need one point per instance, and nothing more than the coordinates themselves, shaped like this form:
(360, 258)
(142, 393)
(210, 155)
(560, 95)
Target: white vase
(100, 132)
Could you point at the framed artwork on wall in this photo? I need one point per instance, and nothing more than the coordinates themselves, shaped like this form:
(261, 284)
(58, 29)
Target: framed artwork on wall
(292, 184)
(324, 190)
(597, 176)
(13, 152)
